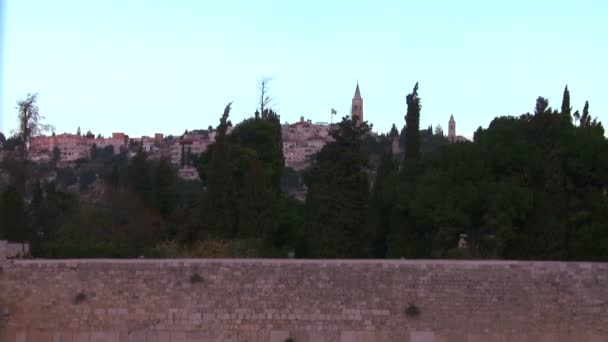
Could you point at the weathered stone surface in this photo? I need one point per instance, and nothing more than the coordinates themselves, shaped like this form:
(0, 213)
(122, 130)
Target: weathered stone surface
(306, 300)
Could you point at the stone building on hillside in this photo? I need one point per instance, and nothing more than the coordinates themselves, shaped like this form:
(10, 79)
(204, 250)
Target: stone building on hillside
(302, 141)
(72, 146)
(190, 144)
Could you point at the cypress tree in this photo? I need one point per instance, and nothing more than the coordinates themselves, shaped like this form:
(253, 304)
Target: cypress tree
(566, 109)
(585, 118)
(337, 203)
(382, 202)
(219, 203)
(406, 239)
(412, 122)
(165, 195)
(394, 131)
(13, 216)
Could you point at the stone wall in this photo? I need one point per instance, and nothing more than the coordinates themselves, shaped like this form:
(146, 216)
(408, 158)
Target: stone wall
(305, 300)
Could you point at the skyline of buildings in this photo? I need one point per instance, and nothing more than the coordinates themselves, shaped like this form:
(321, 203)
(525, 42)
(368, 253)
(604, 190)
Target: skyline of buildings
(301, 141)
(355, 109)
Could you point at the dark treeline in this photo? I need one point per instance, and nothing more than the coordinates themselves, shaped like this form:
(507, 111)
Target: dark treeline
(527, 187)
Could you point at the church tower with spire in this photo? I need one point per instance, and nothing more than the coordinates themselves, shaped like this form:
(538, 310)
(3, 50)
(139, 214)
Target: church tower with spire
(357, 107)
(452, 129)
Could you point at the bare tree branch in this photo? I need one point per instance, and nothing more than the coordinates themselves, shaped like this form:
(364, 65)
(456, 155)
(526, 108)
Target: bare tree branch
(265, 101)
(29, 119)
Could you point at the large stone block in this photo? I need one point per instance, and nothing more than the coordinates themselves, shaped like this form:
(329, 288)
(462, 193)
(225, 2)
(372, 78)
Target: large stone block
(81, 337)
(104, 337)
(178, 337)
(8, 334)
(63, 336)
(39, 336)
(422, 336)
(138, 336)
(363, 336)
(279, 336)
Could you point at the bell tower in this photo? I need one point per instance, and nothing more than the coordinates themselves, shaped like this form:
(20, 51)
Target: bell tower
(357, 107)
(452, 129)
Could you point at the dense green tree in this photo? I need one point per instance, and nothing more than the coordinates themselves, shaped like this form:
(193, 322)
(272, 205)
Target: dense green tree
(139, 176)
(264, 137)
(430, 141)
(66, 177)
(383, 199)
(35, 210)
(337, 203)
(13, 215)
(165, 195)
(114, 179)
(219, 205)
(527, 187)
(256, 204)
(86, 177)
(394, 131)
(107, 153)
(37, 196)
(242, 176)
(289, 233)
(408, 237)
(542, 106)
(54, 210)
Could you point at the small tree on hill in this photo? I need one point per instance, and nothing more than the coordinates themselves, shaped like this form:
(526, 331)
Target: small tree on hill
(30, 125)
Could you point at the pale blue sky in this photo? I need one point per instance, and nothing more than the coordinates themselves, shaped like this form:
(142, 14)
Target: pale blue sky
(147, 66)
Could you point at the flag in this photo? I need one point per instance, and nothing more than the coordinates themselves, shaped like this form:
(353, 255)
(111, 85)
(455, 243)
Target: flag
(333, 112)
